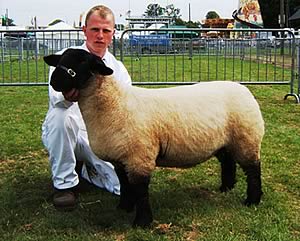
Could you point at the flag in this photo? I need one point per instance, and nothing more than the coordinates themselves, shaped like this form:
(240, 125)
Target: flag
(128, 13)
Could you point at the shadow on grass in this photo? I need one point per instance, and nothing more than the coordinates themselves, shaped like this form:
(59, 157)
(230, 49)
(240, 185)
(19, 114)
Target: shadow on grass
(27, 195)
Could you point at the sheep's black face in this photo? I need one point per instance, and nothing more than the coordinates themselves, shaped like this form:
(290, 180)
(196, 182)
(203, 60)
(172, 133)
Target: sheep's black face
(74, 68)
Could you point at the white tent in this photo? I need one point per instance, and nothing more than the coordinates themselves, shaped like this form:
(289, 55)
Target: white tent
(60, 35)
(61, 30)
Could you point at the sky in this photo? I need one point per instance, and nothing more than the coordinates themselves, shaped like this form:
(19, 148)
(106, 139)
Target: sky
(69, 10)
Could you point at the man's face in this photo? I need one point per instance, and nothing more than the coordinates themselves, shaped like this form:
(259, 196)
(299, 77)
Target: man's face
(99, 33)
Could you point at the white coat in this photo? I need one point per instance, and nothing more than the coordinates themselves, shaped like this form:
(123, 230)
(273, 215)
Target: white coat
(65, 137)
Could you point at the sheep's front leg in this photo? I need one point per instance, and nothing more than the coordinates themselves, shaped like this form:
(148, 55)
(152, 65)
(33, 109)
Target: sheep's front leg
(127, 197)
(143, 217)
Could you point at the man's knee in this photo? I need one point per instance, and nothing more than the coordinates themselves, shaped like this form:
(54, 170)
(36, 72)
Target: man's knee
(61, 122)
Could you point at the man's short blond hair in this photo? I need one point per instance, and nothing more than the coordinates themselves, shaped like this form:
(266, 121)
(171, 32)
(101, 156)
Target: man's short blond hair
(102, 11)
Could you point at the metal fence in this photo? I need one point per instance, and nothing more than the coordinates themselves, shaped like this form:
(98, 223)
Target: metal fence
(256, 56)
(166, 56)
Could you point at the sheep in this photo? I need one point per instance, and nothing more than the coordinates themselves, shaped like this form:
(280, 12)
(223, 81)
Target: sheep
(137, 129)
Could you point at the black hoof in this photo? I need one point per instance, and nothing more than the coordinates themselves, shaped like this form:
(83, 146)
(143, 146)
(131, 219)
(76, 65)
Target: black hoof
(142, 222)
(252, 201)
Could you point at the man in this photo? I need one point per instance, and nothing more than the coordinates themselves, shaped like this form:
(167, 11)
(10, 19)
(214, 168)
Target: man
(64, 132)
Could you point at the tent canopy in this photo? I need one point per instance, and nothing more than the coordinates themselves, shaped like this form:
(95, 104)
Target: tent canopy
(61, 30)
(60, 26)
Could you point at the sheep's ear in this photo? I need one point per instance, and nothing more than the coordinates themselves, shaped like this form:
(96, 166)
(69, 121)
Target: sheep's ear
(98, 66)
(52, 59)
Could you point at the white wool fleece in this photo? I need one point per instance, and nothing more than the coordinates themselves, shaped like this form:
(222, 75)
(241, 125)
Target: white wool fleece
(179, 126)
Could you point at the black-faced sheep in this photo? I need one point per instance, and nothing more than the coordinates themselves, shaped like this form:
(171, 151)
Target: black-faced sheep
(137, 129)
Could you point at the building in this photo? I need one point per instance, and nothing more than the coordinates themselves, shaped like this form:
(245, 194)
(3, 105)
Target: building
(217, 23)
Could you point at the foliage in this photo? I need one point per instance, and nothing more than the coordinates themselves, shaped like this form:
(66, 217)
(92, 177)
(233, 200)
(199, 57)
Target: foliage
(191, 24)
(180, 22)
(188, 24)
(212, 15)
(154, 10)
(173, 12)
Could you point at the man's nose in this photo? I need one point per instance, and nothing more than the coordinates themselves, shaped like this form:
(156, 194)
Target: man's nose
(100, 34)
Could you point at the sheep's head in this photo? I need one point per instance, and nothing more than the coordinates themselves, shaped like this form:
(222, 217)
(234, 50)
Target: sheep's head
(73, 69)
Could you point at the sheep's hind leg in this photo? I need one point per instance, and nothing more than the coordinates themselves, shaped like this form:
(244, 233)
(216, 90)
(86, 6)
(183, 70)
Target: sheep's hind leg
(254, 190)
(228, 170)
(127, 198)
(143, 217)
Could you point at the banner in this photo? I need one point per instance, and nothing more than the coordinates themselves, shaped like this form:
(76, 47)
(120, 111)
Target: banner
(249, 11)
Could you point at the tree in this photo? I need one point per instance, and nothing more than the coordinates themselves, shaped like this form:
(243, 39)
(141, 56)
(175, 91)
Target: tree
(173, 12)
(179, 21)
(192, 24)
(188, 24)
(154, 10)
(212, 15)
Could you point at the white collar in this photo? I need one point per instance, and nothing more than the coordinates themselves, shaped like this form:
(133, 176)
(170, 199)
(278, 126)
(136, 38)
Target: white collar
(105, 57)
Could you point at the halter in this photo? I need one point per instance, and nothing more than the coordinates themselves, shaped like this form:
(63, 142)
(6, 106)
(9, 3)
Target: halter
(69, 71)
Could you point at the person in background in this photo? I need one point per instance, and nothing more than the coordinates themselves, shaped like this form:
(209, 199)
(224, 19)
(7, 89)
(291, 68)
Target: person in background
(63, 131)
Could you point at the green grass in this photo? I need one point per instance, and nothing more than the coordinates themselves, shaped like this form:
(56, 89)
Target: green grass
(172, 68)
(214, 67)
(186, 203)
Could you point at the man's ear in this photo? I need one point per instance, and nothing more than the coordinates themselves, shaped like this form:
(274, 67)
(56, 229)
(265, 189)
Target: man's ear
(52, 59)
(84, 29)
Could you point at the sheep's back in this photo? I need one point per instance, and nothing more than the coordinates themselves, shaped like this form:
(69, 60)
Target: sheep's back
(192, 122)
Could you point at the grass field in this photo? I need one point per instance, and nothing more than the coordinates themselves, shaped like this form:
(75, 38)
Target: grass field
(186, 203)
(172, 68)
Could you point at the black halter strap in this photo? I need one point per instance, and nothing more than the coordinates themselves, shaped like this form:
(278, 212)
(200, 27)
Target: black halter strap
(68, 70)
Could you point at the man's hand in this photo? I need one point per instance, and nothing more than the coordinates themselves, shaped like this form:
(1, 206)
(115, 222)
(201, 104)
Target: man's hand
(71, 95)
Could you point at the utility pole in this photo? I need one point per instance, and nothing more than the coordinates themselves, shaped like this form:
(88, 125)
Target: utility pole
(6, 18)
(190, 13)
(281, 16)
(287, 13)
(281, 24)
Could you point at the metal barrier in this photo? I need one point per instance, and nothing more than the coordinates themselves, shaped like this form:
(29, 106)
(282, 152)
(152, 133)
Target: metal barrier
(175, 57)
(166, 56)
(21, 54)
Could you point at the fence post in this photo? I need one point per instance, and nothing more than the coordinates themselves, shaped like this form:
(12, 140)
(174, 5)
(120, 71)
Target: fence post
(36, 47)
(20, 48)
(298, 64)
(191, 48)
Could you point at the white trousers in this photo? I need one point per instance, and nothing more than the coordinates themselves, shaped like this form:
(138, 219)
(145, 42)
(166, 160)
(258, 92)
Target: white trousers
(65, 137)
